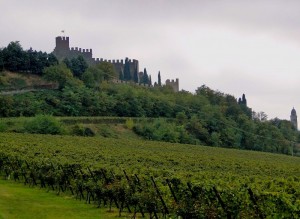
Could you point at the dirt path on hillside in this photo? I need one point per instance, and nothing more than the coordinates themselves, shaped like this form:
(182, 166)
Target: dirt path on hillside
(25, 90)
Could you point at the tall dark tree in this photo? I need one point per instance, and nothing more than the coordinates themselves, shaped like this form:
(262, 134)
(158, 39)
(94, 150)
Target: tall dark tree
(145, 77)
(108, 71)
(67, 62)
(52, 60)
(78, 66)
(159, 79)
(58, 73)
(37, 61)
(121, 75)
(1, 61)
(150, 81)
(14, 57)
(127, 75)
(242, 101)
(94, 75)
(42, 58)
(135, 76)
(243, 105)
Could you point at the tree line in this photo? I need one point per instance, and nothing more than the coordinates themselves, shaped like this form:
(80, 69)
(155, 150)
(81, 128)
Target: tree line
(14, 58)
(183, 117)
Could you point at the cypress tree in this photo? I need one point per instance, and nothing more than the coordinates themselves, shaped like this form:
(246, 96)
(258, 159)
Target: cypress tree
(135, 76)
(127, 76)
(121, 75)
(150, 81)
(244, 101)
(159, 79)
(1, 61)
(145, 77)
(52, 60)
(67, 62)
(240, 101)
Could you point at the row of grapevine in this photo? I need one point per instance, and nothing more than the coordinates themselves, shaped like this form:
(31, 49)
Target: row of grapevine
(144, 195)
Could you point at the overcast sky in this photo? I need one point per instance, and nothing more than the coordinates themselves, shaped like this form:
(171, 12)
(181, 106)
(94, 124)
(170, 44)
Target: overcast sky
(236, 47)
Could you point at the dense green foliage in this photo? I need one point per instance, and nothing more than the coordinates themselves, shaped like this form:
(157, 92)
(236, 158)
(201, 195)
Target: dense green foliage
(42, 124)
(14, 58)
(204, 181)
(58, 73)
(76, 126)
(207, 117)
(77, 65)
(97, 74)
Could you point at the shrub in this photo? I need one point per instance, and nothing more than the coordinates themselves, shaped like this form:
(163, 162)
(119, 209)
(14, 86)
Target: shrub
(3, 127)
(17, 83)
(3, 81)
(82, 131)
(107, 131)
(129, 123)
(43, 124)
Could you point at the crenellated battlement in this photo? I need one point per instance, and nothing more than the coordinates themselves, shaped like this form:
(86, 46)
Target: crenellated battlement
(174, 84)
(62, 50)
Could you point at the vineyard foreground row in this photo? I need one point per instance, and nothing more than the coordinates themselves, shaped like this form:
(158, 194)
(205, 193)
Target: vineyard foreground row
(157, 178)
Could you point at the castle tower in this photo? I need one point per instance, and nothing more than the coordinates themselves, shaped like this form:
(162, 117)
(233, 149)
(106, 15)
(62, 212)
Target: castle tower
(62, 47)
(294, 118)
(173, 84)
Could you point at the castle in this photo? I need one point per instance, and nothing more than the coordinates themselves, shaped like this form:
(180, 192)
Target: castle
(294, 118)
(62, 50)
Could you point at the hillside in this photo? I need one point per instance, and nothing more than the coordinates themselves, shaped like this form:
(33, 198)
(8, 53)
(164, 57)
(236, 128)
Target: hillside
(71, 87)
(10, 81)
(206, 118)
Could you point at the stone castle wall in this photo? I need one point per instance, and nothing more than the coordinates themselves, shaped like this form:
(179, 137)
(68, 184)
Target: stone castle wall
(173, 84)
(62, 50)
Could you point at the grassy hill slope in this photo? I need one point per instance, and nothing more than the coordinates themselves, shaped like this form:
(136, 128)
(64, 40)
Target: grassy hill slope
(16, 81)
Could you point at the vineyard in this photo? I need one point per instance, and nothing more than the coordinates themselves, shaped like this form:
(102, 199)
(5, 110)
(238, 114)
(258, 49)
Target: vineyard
(156, 179)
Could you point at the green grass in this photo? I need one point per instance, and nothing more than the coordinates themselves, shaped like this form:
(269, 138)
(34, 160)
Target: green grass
(113, 127)
(19, 201)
